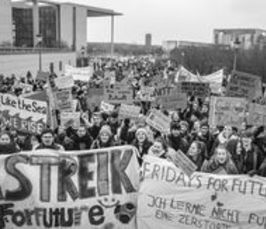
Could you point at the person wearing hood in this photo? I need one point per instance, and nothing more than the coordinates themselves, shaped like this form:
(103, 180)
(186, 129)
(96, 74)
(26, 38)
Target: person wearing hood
(7, 146)
(81, 140)
(175, 140)
(105, 138)
(142, 143)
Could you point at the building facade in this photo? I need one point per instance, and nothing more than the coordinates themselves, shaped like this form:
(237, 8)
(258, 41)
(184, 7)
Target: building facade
(247, 38)
(148, 40)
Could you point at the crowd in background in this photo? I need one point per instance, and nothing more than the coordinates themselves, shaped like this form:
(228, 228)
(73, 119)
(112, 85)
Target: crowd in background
(233, 150)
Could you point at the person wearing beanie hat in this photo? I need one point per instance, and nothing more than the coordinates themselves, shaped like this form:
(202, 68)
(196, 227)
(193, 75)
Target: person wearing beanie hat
(105, 138)
(141, 142)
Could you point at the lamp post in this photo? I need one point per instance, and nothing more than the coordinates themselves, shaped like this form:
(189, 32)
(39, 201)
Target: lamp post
(236, 46)
(39, 42)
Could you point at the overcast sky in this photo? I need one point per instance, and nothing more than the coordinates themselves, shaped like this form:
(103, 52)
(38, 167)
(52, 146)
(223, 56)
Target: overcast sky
(192, 20)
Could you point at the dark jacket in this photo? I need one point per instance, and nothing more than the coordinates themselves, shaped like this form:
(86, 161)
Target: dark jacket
(81, 143)
(8, 148)
(177, 143)
(208, 140)
(142, 149)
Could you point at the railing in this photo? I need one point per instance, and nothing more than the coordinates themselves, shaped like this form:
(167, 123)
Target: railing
(18, 50)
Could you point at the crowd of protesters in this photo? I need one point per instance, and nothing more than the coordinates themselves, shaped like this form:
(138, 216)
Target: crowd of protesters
(234, 150)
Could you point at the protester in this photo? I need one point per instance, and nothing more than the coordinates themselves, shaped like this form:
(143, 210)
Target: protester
(7, 145)
(196, 153)
(105, 138)
(48, 141)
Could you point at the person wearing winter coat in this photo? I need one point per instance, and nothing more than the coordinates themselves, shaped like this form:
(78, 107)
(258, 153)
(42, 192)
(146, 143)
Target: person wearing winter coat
(142, 143)
(105, 138)
(196, 153)
(175, 140)
(81, 140)
(7, 146)
(220, 162)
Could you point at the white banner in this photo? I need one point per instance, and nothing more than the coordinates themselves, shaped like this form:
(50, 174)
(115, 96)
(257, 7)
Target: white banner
(215, 79)
(169, 199)
(23, 114)
(64, 82)
(82, 74)
(94, 189)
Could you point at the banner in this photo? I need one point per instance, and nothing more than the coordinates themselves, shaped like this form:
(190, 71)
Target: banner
(256, 115)
(194, 88)
(159, 121)
(244, 85)
(64, 100)
(227, 111)
(82, 74)
(183, 75)
(64, 82)
(169, 199)
(70, 119)
(118, 93)
(94, 189)
(23, 114)
(129, 111)
(215, 79)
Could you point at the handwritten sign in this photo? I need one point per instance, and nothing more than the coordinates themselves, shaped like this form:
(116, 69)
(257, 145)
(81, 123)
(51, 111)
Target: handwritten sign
(257, 115)
(169, 199)
(159, 121)
(23, 114)
(64, 82)
(146, 93)
(227, 111)
(183, 162)
(82, 74)
(173, 101)
(106, 107)
(194, 88)
(64, 100)
(118, 93)
(129, 111)
(244, 85)
(70, 119)
(78, 189)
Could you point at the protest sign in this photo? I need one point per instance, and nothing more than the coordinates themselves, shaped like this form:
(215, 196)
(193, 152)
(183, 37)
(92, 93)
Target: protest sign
(23, 114)
(183, 75)
(173, 101)
(146, 93)
(215, 79)
(95, 96)
(82, 74)
(182, 162)
(118, 93)
(70, 119)
(198, 89)
(26, 88)
(159, 121)
(227, 111)
(256, 115)
(244, 85)
(169, 199)
(106, 107)
(75, 189)
(42, 76)
(129, 111)
(38, 95)
(64, 100)
(64, 82)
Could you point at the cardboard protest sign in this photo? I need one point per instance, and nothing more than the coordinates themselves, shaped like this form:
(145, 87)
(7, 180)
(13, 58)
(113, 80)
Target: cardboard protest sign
(244, 85)
(146, 93)
(26, 88)
(42, 76)
(159, 121)
(106, 107)
(183, 162)
(129, 111)
(64, 100)
(118, 93)
(70, 119)
(64, 82)
(169, 199)
(227, 111)
(198, 89)
(256, 115)
(23, 114)
(82, 74)
(75, 189)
